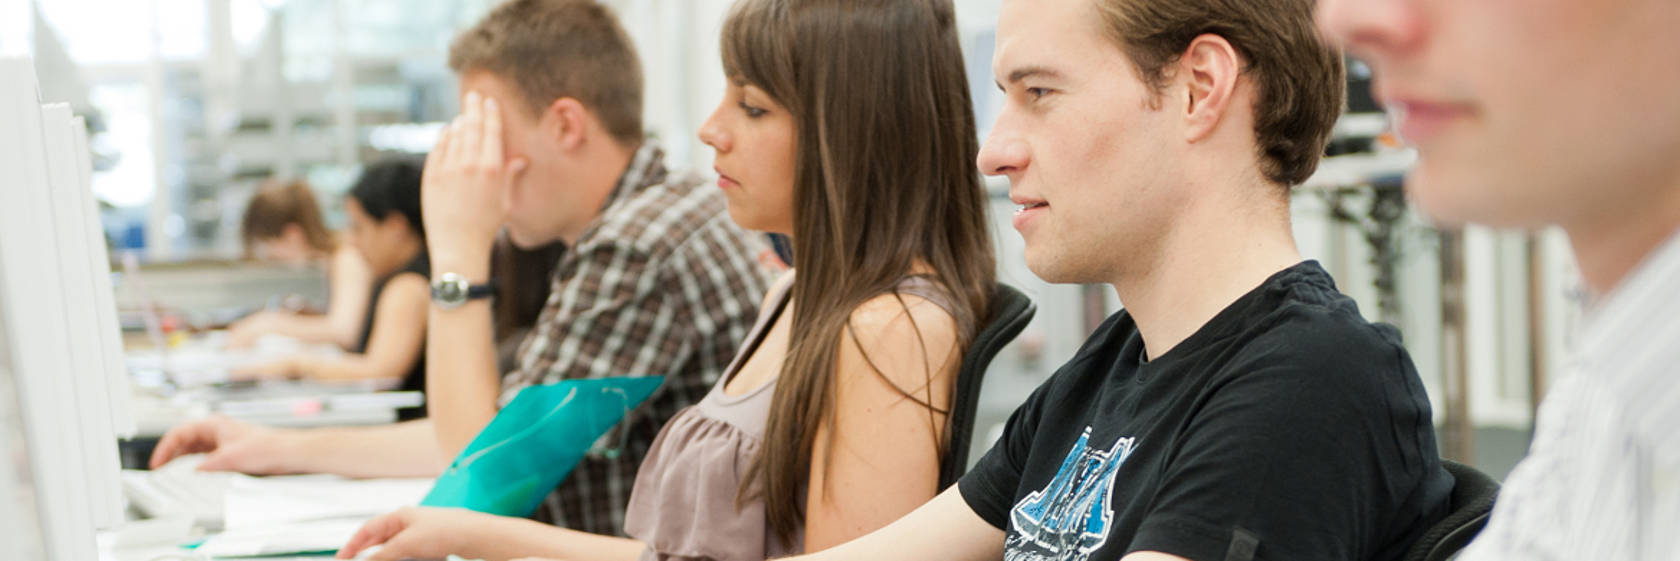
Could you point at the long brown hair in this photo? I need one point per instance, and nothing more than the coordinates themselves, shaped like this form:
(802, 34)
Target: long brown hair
(279, 203)
(523, 281)
(884, 180)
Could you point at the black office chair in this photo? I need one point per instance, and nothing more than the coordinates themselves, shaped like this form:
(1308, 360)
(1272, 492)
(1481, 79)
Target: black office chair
(1471, 503)
(1011, 311)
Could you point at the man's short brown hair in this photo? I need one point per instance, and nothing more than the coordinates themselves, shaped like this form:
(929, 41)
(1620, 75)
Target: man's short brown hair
(552, 49)
(1300, 79)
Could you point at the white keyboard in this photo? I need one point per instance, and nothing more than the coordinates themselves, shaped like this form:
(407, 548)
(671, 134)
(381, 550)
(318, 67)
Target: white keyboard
(179, 489)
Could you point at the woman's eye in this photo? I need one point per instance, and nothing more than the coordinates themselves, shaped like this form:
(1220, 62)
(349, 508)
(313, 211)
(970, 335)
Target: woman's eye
(752, 112)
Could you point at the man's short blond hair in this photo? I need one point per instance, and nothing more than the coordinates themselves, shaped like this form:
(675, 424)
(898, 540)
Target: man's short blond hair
(552, 49)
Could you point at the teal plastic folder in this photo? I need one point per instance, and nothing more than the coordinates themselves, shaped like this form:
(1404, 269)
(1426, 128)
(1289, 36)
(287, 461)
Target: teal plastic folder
(534, 442)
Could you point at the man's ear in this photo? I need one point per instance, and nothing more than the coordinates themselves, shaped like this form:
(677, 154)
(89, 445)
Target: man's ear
(564, 121)
(1210, 68)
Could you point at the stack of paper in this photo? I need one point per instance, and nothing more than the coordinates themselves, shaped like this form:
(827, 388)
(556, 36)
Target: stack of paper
(276, 516)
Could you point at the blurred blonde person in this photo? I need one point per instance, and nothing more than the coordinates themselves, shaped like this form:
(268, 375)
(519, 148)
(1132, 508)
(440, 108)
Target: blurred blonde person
(387, 233)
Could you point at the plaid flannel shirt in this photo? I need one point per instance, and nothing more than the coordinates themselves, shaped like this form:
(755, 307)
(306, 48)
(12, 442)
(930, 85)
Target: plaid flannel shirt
(662, 283)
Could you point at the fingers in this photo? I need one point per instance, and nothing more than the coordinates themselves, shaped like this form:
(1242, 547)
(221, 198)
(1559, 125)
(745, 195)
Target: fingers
(435, 158)
(222, 459)
(392, 551)
(186, 439)
(490, 153)
(253, 453)
(375, 532)
(515, 169)
(471, 123)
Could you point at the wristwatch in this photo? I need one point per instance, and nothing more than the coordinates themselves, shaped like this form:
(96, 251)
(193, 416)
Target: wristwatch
(451, 291)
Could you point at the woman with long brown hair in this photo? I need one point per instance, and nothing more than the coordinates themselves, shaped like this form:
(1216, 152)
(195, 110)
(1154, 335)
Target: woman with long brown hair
(846, 125)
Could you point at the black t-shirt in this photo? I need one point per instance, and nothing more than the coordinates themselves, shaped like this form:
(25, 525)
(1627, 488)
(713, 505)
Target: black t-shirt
(415, 379)
(1286, 428)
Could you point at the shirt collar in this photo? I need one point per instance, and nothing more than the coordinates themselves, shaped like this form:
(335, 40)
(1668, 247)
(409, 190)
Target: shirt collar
(646, 169)
(1643, 298)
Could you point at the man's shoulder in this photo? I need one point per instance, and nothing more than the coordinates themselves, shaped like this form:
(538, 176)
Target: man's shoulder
(1325, 352)
(1093, 364)
(1310, 322)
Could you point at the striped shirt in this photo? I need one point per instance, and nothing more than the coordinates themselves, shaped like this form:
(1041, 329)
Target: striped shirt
(1602, 478)
(662, 283)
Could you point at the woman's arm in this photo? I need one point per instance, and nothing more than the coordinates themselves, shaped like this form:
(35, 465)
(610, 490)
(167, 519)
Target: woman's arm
(879, 460)
(349, 284)
(394, 346)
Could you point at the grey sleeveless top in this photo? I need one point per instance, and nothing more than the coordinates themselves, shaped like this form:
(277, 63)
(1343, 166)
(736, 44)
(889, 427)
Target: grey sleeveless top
(683, 505)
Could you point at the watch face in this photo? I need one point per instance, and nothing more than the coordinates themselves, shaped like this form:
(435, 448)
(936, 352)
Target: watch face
(450, 290)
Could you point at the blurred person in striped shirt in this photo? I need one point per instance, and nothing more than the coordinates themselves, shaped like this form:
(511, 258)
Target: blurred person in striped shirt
(1535, 113)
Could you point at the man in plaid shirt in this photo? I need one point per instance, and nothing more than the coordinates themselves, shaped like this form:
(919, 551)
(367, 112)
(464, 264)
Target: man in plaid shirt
(662, 283)
(658, 280)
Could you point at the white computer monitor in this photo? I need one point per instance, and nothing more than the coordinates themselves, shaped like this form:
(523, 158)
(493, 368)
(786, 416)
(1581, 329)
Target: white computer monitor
(20, 523)
(32, 290)
(104, 294)
(89, 381)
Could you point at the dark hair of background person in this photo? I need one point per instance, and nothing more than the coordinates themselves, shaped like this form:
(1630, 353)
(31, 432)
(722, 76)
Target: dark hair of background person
(392, 186)
(523, 280)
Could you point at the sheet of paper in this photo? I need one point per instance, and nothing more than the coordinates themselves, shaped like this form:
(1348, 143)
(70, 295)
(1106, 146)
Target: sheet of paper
(269, 501)
(282, 539)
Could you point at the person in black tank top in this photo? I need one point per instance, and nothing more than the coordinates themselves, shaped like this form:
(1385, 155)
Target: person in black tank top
(414, 379)
(386, 229)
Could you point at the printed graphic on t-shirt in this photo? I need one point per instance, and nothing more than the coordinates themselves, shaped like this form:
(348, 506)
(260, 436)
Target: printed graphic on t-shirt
(1068, 519)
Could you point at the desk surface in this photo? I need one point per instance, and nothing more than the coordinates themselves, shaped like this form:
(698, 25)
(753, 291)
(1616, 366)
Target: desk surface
(159, 405)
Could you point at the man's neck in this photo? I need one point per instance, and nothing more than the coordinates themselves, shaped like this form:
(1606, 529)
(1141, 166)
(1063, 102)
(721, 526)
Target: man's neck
(608, 162)
(1211, 257)
(1610, 245)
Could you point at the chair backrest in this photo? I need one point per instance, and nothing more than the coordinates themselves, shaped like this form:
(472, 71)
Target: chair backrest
(1472, 501)
(1011, 311)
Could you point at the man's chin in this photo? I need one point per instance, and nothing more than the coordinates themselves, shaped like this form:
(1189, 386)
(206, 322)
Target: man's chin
(1452, 200)
(1048, 269)
(527, 240)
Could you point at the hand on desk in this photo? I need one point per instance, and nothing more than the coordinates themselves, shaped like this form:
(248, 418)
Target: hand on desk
(284, 369)
(231, 445)
(419, 533)
(244, 333)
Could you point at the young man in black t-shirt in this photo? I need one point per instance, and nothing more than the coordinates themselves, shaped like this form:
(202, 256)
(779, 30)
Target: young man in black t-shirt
(1240, 408)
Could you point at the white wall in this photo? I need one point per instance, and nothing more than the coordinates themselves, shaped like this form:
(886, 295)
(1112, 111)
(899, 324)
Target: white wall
(15, 28)
(678, 43)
